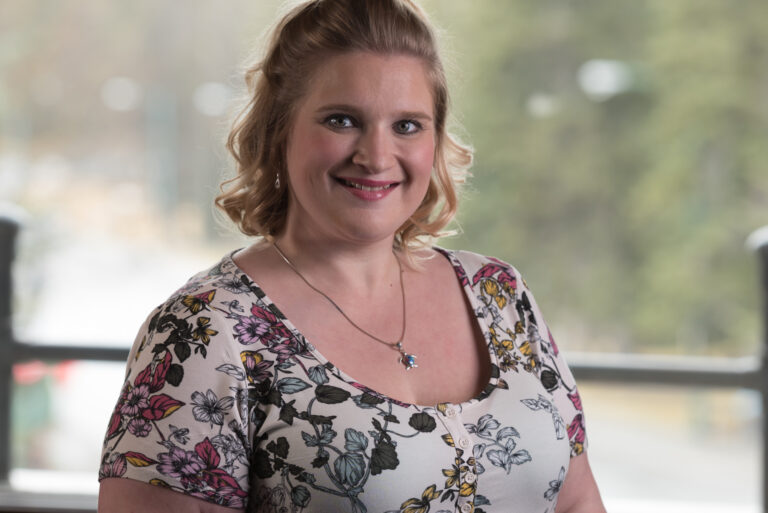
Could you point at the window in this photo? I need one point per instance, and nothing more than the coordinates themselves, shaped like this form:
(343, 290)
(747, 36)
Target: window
(619, 164)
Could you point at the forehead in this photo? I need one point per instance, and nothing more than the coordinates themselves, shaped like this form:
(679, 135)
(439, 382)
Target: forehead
(371, 81)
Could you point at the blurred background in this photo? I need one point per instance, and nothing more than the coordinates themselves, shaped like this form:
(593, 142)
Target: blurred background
(620, 164)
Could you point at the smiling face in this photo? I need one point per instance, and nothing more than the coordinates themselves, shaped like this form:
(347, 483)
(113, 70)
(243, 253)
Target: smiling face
(361, 148)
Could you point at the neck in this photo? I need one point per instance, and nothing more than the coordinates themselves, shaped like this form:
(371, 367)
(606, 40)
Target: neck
(360, 270)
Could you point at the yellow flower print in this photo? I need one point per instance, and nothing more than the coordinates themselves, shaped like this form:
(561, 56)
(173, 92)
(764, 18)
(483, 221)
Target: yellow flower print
(199, 301)
(253, 356)
(203, 332)
(454, 473)
(509, 345)
(501, 301)
(420, 505)
(448, 439)
(453, 476)
(491, 287)
(467, 489)
(526, 348)
(519, 327)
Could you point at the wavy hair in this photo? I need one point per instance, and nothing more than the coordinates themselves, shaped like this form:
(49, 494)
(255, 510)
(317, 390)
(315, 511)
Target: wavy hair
(301, 40)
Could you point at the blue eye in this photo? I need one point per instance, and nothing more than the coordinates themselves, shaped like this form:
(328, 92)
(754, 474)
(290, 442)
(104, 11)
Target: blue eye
(339, 121)
(407, 126)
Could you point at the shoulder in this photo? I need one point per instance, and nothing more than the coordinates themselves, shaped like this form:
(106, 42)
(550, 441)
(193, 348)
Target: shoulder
(475, 267)
(220, 282)
(197, 310)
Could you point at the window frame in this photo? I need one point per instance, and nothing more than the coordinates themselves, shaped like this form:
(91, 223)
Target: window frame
(749, 373)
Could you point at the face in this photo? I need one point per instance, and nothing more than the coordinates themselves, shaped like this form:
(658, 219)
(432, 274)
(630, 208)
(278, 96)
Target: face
(361, 148)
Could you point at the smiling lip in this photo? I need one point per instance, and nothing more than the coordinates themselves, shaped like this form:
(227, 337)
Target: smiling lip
(369, 190)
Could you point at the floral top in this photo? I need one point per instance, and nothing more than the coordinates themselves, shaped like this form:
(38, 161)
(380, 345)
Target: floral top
(226, 401)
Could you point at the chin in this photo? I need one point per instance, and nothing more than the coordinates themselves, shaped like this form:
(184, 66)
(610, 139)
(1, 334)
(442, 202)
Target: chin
(368, 232)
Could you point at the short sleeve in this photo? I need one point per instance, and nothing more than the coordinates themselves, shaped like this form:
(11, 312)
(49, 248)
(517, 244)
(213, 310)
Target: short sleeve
(553, 370)
(181, 420)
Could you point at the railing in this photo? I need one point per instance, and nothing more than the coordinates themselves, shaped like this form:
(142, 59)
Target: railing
(745, 373)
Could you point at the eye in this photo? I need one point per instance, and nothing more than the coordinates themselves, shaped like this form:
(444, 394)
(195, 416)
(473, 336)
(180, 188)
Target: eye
(407, 126)
(339, 121)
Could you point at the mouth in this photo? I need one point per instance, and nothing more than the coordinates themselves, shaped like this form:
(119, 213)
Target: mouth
(362, 184)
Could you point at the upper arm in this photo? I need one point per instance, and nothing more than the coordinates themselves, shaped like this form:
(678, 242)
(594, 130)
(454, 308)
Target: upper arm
(127, 495)
(182, 421)
(579, 493)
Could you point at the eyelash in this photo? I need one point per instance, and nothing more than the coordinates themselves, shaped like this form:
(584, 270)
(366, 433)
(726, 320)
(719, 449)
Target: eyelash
(333, 118)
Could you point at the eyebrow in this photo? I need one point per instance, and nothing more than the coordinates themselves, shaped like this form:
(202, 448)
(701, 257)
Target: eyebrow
(409, 114)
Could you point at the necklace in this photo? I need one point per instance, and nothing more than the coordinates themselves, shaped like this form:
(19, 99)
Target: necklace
(406, 359)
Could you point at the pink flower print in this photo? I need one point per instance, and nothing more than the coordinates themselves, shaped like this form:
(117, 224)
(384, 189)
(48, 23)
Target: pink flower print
(115, 467)
(575, 399)
(180, 463)
(263, 313)
(256, 367)
(555, 350)
(251, 330)
(509, 283)
(275, 330)
(577, 434)
(285, 350)
(487, 271)
(139, 427)
(135, 400)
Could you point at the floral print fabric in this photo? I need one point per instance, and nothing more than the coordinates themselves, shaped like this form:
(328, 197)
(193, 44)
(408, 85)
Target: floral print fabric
(226, 401)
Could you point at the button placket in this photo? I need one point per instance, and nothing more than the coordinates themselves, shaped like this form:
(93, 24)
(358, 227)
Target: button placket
(452, 421)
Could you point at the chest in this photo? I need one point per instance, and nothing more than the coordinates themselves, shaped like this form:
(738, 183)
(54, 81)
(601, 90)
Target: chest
(441, 331)
(361, 451)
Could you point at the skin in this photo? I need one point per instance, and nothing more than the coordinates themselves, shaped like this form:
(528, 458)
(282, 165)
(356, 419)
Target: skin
(367, 119)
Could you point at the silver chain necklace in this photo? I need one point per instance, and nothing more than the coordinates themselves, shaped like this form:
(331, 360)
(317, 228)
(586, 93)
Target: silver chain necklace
(406, 359)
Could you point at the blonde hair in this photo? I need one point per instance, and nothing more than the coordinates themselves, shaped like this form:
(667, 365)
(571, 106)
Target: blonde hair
(308, 34)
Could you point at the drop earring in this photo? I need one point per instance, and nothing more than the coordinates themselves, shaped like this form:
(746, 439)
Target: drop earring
(277, 181)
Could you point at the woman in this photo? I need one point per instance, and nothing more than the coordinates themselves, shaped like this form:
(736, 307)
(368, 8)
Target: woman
(341, 363)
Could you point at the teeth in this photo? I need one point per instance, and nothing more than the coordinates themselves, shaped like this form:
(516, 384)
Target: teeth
(365, 187)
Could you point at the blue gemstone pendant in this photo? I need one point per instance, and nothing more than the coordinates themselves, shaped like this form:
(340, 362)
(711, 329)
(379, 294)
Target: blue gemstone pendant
(408, 360)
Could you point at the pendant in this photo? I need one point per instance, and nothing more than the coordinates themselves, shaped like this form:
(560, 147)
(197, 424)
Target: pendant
(406, 359)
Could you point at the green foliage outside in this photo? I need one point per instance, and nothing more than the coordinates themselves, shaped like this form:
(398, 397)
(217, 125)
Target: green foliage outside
(627, 214)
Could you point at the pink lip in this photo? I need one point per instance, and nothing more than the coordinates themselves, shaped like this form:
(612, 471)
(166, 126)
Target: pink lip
(369, 195)
(367, 182)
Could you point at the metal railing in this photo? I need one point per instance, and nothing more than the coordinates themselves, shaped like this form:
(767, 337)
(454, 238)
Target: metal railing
(744, 373)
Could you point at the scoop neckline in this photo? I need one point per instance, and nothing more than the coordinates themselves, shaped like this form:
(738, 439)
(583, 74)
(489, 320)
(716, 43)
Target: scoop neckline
(461, 275)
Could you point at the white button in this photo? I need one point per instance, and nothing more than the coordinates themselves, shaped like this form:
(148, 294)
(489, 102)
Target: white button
(464, 443)
(470, 477)
(450, 412)
(466, 507)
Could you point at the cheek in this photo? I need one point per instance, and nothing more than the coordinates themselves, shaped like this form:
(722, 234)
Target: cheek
(324, 148)
(313, 151)
(422, 159)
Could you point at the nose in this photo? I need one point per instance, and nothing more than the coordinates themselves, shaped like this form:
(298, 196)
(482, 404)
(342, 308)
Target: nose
(374, 150)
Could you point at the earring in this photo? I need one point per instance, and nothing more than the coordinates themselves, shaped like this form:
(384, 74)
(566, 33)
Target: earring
(277, 181)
